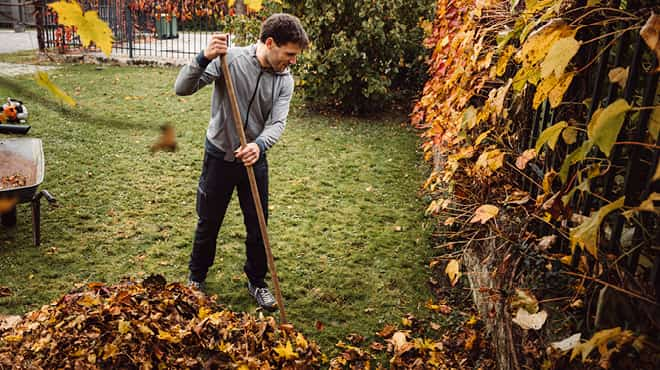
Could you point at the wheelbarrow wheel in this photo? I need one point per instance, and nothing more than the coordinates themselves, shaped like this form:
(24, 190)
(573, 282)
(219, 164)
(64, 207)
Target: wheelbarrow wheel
(9, 219)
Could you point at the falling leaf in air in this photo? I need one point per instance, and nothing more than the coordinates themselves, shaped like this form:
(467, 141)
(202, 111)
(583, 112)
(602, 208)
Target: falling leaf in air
(89, 26)
(484, 213)
(43, 80)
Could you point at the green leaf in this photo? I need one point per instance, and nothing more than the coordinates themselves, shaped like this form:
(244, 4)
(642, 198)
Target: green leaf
(550, 135)
(585, 235)
(576, 156)
(606, 123)
(559, 55)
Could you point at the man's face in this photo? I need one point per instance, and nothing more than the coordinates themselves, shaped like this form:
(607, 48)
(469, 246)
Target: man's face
(281, 56)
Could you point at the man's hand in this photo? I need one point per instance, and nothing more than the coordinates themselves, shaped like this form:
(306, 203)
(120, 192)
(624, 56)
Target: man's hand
(249, 154)
(217, 46)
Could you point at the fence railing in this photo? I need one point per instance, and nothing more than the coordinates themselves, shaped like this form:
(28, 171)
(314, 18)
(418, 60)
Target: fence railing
(137, 33)
(632, 162)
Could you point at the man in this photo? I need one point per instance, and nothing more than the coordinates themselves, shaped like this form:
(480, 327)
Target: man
(264, 87)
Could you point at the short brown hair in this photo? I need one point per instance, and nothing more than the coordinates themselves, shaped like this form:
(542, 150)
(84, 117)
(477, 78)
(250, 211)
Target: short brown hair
(284, 28)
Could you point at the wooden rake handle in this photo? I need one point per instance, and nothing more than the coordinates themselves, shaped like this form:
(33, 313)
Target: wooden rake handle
(253, 186)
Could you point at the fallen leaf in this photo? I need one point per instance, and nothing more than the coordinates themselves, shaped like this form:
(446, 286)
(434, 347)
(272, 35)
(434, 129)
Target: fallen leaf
(453, 271)
(568, 343)
(399, 340)
(525, 300)
(547, 241)
(569, 135)
(484, 213)
(530, 321)
(600, 339)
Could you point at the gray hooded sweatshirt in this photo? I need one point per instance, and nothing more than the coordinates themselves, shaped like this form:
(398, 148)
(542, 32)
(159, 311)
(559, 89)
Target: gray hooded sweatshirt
(263, 98)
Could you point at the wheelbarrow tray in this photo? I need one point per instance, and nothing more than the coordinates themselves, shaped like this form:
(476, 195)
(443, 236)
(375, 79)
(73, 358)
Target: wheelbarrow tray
(24, 156)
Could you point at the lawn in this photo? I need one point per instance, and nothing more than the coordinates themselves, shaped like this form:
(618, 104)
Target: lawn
(346, 226)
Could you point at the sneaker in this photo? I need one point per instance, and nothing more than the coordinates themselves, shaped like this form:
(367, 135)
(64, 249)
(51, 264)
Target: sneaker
(263, 296)
(197, 285)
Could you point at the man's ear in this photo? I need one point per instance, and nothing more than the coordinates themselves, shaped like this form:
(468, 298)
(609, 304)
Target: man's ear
(270, 43)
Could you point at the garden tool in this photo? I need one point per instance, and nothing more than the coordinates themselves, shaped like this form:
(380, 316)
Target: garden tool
(14, 111)
(253, 187)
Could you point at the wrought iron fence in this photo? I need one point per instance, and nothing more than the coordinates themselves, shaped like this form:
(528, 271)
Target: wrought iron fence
(137, 33)
(633, 161)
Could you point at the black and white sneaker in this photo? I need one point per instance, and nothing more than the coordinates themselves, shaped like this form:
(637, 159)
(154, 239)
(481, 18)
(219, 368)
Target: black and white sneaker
(263, 297)
(197, 285)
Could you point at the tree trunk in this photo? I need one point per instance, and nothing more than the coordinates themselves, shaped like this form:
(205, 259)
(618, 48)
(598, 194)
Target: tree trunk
(488, 276)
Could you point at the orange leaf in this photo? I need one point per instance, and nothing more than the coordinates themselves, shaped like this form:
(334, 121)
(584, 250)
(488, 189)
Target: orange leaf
(484, 213)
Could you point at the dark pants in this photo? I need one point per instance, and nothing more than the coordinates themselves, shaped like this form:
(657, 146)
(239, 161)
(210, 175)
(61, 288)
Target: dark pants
(216, 185)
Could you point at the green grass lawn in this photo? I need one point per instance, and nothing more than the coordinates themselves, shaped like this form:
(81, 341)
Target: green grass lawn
(346, 227)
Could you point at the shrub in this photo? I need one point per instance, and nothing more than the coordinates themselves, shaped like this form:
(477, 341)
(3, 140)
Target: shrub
(365, 55)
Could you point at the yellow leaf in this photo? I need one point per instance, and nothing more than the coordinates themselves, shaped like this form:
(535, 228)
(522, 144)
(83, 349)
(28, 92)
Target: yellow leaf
(498, 100)
(490, 160)
(557, 93)
(110, 350)
(654, 124)
(651, 34)
(145, 330)
(286, 352)
(585, 235)
(601, 340)
(481, 137)
(575, 156)
(89, 26)
(606, 123)
(203, 312)
(43, 80)
(648, 205)
(168, 337)
(484, 213)
(657, 173)
(504, 60)
(619, 76)
(301, 341)
(543, 90)
(525, 300)
(560, 54)
(550, 135)
(453, 271)
(524, 75)
(123, 326)
(89, 301)
(538, 43)
(526, 156)
(253, 5)
(569, 135)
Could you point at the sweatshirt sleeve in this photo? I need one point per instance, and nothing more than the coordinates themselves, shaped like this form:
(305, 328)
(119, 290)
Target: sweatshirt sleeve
(197, 74)
(274, 127)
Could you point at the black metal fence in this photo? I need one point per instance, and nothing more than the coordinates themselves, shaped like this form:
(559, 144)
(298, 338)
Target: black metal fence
(632, 162)
(137, 33)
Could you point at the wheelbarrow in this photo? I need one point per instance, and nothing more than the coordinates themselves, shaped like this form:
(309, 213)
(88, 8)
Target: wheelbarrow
(24, 157)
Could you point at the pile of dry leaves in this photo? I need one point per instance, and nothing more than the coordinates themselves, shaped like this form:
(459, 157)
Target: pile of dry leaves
(150, 324)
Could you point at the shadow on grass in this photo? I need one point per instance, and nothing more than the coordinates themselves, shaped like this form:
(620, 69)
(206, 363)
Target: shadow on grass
(28, 95)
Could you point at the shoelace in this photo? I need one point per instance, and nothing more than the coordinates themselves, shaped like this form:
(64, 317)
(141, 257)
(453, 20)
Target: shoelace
(265, 295)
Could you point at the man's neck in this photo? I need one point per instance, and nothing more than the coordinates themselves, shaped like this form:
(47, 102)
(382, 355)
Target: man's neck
(261, 54)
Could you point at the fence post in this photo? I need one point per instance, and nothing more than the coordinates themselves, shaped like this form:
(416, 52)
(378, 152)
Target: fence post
(39, 20)
(129, 30)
